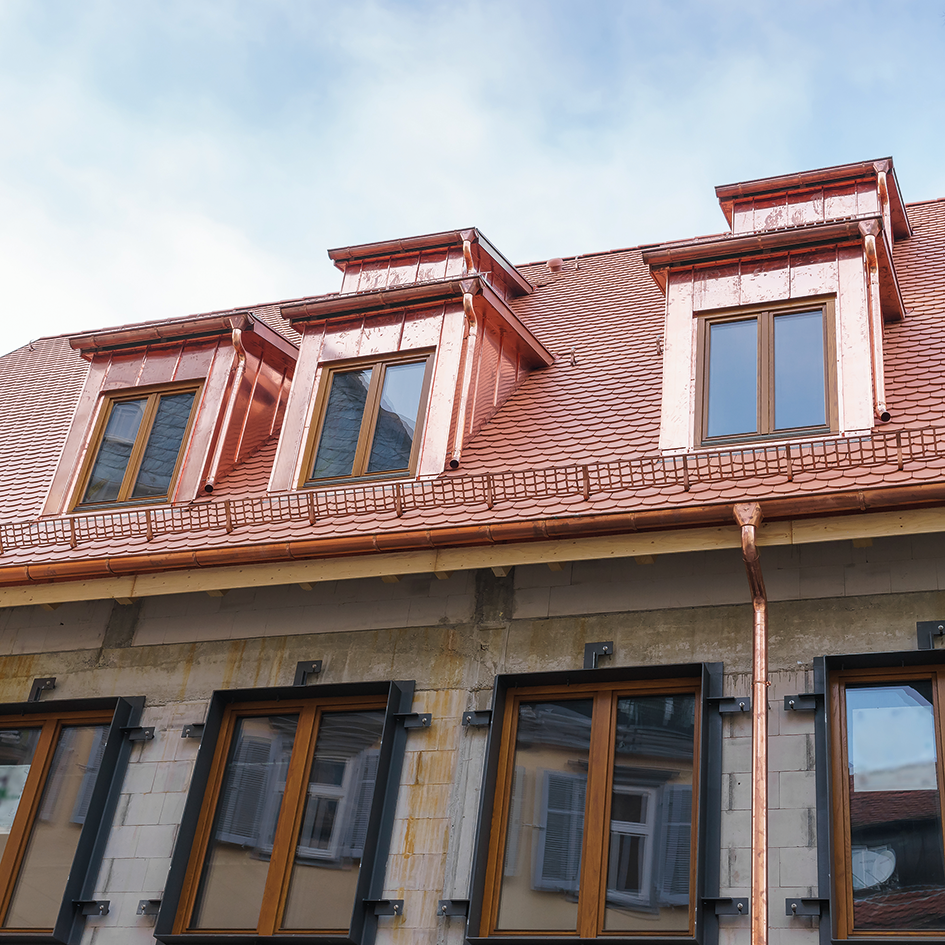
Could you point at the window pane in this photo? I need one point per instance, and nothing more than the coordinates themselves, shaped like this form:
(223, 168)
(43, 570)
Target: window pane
(342, 425)
(112, 459)
(651, 815)
(237, 861)
(324, 875)
(898, 863)
(733, 378)
(546, 817)
(397, 417)
(16, 754)
(164, 443)
(799, 371)
(42, 876)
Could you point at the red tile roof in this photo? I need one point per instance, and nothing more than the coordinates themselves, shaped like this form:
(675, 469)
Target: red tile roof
(579, 438)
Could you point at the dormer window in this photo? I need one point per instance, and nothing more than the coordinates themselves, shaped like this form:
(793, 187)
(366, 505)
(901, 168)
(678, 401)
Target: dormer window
(139, 448)
(371, 415)
(767, 373)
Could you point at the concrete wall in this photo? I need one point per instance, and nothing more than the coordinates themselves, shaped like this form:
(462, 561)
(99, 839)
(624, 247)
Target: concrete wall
(453, 636)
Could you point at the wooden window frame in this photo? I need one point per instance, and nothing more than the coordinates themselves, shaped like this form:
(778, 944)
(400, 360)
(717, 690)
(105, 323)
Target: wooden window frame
(605, 692)
(153, 395)
(765, 315)
(99, 801)
(840, 855)
(197, 823)
(368, 418)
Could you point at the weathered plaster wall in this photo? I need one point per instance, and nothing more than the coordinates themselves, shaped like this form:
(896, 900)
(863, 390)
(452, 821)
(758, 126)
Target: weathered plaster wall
(453, 636)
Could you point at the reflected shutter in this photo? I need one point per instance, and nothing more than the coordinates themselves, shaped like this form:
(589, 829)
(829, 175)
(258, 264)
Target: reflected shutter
(360, 809)
(675, 845)
(561, 831)
(244, 796)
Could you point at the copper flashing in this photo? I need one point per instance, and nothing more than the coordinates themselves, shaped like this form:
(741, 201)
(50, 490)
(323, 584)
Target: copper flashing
(146, 333)
(362, 251)
(466, 536)
(804, 180)
(416, 295)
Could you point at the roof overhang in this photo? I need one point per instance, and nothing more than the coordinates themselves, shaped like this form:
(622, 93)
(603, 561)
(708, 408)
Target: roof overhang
(805, 180)
(413, 296)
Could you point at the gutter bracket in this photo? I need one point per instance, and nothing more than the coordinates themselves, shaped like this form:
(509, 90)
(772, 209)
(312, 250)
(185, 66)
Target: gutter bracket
(926, 631)
(594, 651)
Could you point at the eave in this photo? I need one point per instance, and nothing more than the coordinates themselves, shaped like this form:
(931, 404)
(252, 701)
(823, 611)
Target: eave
(788, 520)
(412, 296)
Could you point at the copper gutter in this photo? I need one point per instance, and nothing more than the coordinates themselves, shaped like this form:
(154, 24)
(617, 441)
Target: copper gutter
(466, 536)
(237, 337)
(748, 517)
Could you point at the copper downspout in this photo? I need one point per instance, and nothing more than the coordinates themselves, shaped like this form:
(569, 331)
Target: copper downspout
(472, 330)
(870, 230)
(225, 426)
(748, 516)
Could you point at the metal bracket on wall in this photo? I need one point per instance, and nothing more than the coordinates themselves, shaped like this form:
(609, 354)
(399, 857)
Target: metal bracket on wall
(304, 669)
(92, 906)
(594, 651)
(926, 631)
(40, 684)
(386, 906)
(803, 702)
(148, 907)
(415, 719)
(805, 906)
(453, 907)
(728, 906)
(481, 717)
(138, 733)
(729, 705)
(194, 730)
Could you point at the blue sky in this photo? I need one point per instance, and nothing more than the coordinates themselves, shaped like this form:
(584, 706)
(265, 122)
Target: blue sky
(164, 158)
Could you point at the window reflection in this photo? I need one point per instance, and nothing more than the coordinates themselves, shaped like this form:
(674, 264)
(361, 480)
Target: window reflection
(897, 856)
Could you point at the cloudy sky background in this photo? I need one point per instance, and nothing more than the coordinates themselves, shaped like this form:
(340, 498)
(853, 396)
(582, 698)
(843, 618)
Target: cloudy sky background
(164, 158)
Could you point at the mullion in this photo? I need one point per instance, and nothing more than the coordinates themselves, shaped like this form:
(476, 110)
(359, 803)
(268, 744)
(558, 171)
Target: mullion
(369, 420)
(287, 826)
(765, 373)
(137, 451)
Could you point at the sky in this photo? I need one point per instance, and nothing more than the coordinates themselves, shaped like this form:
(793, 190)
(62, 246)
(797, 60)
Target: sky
(165, 158)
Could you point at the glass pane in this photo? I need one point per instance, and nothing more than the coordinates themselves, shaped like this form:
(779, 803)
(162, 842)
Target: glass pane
(164, 443)
(112, 459)
(651, 815)
(397, 417)
(546, 817)
(41, 882)
(17, 746)
(733, 378)
(324, 875)
(799, 371)
(898, 862)
(244, 827)
(342, 425)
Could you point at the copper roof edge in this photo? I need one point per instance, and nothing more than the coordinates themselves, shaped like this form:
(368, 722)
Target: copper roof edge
(831, 231)
(884, 498)
(798, 179)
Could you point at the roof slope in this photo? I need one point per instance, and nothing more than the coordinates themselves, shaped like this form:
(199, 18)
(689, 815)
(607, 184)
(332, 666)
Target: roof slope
(578, 438)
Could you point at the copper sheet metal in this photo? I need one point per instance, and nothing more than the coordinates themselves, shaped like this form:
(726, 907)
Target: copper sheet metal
(748, 516)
